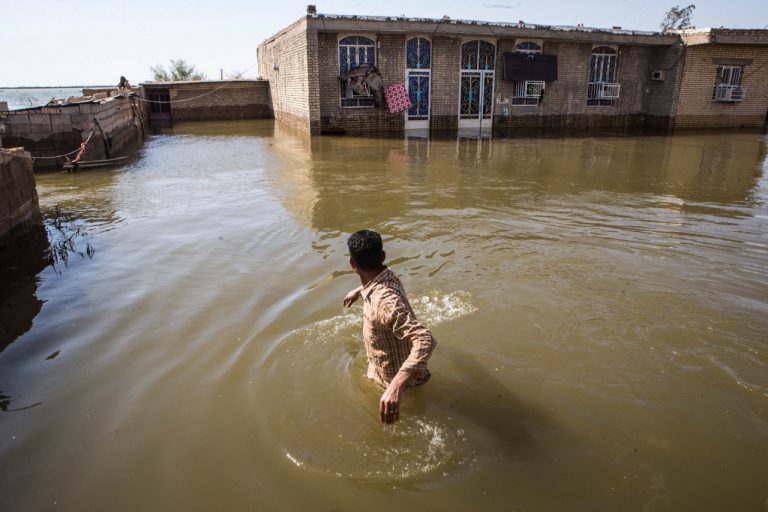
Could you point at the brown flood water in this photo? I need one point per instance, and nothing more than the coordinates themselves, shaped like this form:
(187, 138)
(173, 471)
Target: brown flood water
(601, 306)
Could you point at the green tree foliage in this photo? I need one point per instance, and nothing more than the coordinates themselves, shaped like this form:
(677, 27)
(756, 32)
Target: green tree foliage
(178, 71)
(678, 18)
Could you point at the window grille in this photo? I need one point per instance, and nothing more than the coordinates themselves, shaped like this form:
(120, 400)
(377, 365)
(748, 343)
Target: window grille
(528, 47)
(478, 55)
(728, 87)
(353, 52)
(418, 76)
(418, 53)
(603, 89)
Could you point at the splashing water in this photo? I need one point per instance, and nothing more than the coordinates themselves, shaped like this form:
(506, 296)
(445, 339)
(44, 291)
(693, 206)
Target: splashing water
(308, 428)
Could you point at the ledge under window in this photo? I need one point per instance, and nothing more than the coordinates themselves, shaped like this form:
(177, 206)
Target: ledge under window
(358, 102)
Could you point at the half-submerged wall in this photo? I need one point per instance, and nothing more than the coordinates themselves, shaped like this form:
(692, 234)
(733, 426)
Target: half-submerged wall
(115, 126)
(206, 100)
(18, 192)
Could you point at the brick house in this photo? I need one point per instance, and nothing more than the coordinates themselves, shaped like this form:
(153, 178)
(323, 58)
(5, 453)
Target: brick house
(724, 79)
(504, 77)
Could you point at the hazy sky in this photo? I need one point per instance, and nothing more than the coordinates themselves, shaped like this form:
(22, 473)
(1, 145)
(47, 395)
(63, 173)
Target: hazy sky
(62, 42)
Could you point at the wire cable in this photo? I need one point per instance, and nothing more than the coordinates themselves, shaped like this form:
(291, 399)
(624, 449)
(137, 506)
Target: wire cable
(65, 154)
(195, 97)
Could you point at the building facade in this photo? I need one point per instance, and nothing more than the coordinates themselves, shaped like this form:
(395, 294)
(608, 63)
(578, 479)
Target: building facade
(512, 77)
(724, 81)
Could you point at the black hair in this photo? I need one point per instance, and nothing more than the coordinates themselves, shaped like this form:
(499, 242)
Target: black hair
(366, 249)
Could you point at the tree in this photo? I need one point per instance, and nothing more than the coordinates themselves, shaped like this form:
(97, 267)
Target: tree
(178, 71)
(678, 18)
(235, 75)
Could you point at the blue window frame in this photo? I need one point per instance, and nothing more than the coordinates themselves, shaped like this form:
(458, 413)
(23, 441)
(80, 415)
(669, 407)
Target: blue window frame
(418, 53)
(353, 52)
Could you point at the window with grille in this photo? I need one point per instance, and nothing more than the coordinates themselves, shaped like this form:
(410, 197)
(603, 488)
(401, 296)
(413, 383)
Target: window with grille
(354, 51)
(603, 89)
(528, 92)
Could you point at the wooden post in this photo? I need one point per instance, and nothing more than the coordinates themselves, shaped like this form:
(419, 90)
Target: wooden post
(107, 150)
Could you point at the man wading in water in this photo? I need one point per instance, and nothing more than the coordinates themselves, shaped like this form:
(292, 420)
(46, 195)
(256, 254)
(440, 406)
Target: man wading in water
(397, 345)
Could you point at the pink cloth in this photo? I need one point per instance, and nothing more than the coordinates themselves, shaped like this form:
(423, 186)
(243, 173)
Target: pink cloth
(397, 98)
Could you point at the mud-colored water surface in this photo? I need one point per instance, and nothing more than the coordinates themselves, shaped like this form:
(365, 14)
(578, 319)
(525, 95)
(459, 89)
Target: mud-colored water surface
(601, 307)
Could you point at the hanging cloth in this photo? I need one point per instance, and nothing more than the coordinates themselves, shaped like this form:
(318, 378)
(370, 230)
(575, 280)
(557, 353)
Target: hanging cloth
(397, 98)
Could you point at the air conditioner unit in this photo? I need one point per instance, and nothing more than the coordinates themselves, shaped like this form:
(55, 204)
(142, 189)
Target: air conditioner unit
(657, 75)
(729, 93)
(534, 88)
(610, 91)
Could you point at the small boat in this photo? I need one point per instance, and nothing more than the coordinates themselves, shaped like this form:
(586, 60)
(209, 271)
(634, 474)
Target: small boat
(86, 164)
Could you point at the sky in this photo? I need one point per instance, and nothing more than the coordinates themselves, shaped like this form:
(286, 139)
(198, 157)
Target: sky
(64, 42)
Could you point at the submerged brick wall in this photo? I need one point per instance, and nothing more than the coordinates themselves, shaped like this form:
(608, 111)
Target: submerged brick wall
(302, 66)
(215, 99)
(445, 83)
(564, 107)
(18, 193)
(285, 63)
(390, 60)
(48, 131)
(695, 108)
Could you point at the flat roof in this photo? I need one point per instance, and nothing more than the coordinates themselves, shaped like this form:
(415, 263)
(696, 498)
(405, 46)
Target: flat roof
(201, 82)
(742, 36)
(455, 27)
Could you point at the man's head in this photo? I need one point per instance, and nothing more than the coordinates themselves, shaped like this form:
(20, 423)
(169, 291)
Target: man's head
(366, 251)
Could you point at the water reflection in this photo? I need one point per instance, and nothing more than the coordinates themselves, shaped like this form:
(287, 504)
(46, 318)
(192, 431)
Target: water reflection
(501, 173)
(22, 258)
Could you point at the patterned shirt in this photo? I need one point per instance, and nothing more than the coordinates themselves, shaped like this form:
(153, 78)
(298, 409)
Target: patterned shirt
(394, 339)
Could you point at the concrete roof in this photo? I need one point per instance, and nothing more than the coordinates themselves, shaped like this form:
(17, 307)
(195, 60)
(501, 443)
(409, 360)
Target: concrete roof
(447, 26)
(696, 36)
(200, 82)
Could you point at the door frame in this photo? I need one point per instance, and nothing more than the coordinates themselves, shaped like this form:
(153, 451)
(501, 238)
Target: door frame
(419, 124)
(479, 122)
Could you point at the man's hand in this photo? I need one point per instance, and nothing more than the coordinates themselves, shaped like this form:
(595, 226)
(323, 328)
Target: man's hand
(352, 296)
(389, 405)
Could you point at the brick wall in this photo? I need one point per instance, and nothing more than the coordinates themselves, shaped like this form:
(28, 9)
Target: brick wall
(48, 131)
(695, 108)
(390, 60)
(564, 108)
(305, 90)
(284, 60)
(217, 100)
(444, 115)
(18, 193)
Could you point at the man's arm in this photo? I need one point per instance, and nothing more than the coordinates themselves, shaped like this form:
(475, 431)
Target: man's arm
(389, 404)
(405, 325)
(352, 296)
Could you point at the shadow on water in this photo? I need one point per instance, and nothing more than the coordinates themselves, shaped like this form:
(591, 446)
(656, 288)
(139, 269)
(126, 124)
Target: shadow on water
(22, 258)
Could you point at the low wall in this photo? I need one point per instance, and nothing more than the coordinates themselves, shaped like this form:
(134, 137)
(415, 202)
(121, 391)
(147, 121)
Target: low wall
(56, 130)
(210, 100)
(18, 192)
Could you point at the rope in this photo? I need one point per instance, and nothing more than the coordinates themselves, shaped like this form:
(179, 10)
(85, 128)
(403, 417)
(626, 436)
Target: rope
(200, 96)
(66, 154)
